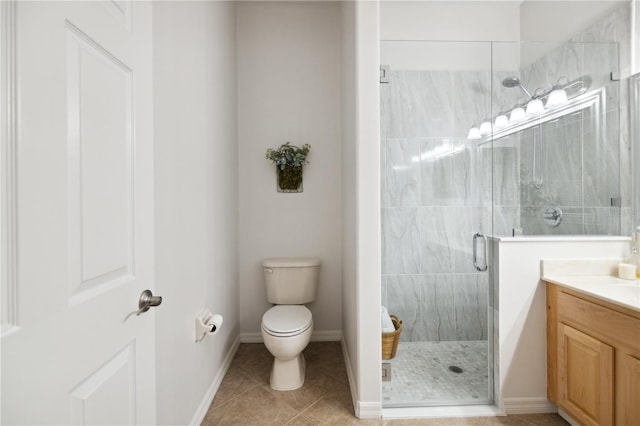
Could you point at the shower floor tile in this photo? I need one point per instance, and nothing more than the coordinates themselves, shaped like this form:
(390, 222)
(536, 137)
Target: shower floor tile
(421, 376)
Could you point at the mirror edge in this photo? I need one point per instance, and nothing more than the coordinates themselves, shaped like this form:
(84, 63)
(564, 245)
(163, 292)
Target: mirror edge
(634, 125)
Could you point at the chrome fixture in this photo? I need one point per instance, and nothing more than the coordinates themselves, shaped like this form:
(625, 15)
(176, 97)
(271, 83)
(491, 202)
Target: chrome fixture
(534, 104)
(552, 216)
(385, 74)
(146, 301)
(510, 82)
(478, 236)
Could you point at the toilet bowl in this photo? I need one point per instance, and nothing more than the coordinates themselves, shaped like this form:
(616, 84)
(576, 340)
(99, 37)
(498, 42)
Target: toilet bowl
(286, 330)
(286, 327)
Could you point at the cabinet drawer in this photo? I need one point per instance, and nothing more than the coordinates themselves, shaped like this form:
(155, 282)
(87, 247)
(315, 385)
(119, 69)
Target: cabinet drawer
(603, 323)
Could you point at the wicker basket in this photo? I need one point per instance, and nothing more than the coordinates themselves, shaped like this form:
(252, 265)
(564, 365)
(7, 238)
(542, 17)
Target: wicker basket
(390, 340)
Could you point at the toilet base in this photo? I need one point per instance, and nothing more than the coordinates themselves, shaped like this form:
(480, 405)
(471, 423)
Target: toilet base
(288, 375)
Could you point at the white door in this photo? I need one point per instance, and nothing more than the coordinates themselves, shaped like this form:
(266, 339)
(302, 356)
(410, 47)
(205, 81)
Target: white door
(83, 204)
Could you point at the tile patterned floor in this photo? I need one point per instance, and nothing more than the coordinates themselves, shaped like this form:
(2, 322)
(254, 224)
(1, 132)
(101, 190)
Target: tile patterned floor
(421, 376)
(245, 398)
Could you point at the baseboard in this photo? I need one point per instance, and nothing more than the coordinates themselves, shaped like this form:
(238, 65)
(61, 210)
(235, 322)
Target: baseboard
(368, 410)
(350, 376)
(316, 336)
(327, 336)
(528, 406)
(198, 417)
(250, 338)
(363, 410)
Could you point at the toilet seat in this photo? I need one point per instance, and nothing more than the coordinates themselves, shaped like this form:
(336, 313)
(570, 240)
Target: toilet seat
(287, 320)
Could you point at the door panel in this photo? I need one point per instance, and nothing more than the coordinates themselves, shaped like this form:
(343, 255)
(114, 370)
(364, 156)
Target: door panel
(100, 160)
(85, 217)
(585, 377)
(628, 386)
(107, 397)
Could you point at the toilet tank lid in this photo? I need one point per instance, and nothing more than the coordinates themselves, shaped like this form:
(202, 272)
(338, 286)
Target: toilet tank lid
(291, 262)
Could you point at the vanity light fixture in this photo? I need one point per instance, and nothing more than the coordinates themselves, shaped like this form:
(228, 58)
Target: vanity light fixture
(485, 127)
(556, 98)
(558, 95)
(517, 115)
(541, 103)
(501, 121)
(535, 106)
(474, 133)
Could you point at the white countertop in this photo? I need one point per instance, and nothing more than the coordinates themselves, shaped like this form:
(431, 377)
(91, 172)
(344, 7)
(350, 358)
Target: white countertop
(594, 277)
(625, 293)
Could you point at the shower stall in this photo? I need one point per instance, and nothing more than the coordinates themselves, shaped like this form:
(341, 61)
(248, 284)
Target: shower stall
(483, 140)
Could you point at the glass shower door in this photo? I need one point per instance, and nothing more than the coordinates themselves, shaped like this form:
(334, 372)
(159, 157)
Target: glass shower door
(436, 191)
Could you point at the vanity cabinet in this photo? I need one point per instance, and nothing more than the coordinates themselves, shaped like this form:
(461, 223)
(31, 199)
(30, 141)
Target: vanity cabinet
(593, 358)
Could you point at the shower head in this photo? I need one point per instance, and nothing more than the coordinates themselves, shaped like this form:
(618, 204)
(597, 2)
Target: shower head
(513, 82)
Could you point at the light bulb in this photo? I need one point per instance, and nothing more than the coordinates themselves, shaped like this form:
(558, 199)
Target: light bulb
(517, 115)
(474, 133)
(556, 98)
(485, 128)
(534, 107)
(501, 121)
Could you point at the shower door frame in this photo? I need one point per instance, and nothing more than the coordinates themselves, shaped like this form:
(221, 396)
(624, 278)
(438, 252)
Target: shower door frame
(470, 206)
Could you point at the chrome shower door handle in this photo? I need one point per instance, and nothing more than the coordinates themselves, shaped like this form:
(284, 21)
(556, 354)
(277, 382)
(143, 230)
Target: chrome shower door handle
(478, 236)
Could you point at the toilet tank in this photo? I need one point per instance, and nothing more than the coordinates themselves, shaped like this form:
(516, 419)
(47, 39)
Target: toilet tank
(291, 281)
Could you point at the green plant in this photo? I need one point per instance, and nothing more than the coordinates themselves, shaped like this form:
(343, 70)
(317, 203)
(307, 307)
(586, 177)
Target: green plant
(289, 155)
(289, 160)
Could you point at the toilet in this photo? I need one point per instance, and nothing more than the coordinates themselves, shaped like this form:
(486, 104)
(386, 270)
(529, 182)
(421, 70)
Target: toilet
(287, 326)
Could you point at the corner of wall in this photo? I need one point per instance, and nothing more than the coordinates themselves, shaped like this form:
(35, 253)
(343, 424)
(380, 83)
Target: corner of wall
(367, 221)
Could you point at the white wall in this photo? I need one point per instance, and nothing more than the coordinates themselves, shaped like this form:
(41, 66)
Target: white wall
(560, 20)
(450, 20)
(475, 23)
(196, 200)
(289, 89)
(368, 227)
(349, 188)
(522, 313)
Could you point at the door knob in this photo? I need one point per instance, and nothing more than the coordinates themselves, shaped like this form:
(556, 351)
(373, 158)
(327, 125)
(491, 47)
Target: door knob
(147, 301)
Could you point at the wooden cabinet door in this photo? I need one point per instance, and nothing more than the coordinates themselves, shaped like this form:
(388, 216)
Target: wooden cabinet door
(628, 390)
(585, 377)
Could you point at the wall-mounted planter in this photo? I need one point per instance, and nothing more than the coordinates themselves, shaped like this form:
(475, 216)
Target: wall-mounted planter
(289, 179)
(289, 160)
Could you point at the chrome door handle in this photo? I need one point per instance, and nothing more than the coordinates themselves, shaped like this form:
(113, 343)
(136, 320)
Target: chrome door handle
(147, 301)
(476, 237)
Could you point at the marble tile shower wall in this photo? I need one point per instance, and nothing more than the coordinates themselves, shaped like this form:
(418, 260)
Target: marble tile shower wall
(430, 185)
(585, 159)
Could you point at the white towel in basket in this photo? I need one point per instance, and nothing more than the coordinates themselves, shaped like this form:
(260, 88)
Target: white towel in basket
(387, 324)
